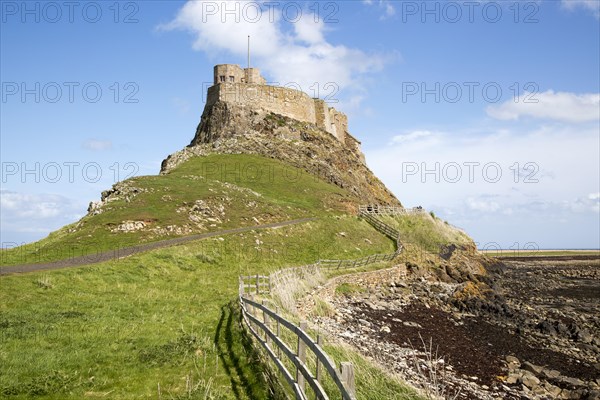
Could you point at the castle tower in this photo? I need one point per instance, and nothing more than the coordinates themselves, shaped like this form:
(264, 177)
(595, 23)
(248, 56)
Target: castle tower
(253, 76)
(245, 86)
(228, 73)
(231, 73)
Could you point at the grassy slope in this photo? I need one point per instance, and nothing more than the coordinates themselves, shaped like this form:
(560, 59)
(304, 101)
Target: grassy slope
(125, 327)
(166, 321)
(231, 181)
(427, 232)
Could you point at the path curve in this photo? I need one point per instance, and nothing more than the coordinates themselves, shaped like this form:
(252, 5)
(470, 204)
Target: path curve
(127, 251)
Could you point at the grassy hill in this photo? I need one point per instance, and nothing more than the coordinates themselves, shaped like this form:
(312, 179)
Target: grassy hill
(203, 194)
(164, 324)
(427, 231)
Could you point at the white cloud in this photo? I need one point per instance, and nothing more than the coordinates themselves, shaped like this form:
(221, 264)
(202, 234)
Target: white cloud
(309, 31)
(479, 204)
(286, 51)
(27, 217)
(97, 145)
(560, 106)
(591, 202)
(549, 176)
(413, 136)
(385, 5)
(590, 5)
(33, 206)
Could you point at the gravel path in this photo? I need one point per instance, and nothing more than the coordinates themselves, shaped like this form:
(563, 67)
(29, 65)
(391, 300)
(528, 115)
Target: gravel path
(119, 253)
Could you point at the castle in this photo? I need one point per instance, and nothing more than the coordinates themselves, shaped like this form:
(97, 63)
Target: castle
(235, 85)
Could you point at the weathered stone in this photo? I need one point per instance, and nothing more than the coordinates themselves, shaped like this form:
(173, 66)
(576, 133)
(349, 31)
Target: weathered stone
(513, 360)
(530, 380)
(554, 391)
(584, 336)
(229, 128)
(513, 378)
(547, 327)
(593, 395)
(276, 99)
(535, 369)
(385, 329)
(129, 226)
(571, 382)
(550, 373)
(95, 208)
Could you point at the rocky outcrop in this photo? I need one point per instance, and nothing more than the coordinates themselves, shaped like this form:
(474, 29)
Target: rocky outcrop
(240, 129)
(486, 349)
(119, 191)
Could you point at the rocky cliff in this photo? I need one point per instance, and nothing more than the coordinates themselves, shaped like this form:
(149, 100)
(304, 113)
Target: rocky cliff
(242, 129)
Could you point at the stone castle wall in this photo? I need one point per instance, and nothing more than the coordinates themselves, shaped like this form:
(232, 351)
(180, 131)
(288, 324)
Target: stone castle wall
(235, 85)
(331, 120)
(279, 100)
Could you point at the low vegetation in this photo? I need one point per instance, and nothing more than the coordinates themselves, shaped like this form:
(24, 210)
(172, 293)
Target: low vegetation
(348, 289)
(426, 231)
(233, 191)
(162, 324)
(165, 324)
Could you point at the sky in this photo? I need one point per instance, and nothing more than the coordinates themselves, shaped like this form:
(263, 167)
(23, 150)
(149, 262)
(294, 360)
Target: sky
(485, 112)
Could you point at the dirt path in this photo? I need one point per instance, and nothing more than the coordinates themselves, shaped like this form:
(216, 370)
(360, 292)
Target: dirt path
(119, 253)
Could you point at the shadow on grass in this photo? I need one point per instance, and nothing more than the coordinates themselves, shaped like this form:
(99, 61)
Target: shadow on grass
(242, 362)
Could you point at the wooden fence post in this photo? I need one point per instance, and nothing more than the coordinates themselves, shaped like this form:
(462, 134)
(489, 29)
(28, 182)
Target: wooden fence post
(267, 322)
(257, 284)
(348, 377)
(302, 356)
(278, 333)
(250, 307)
(318, 372)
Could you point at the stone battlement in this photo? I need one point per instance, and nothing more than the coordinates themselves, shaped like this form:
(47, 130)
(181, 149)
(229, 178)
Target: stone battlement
(235, 85)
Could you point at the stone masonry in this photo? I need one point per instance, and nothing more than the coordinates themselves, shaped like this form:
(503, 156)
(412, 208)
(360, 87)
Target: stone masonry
(235, 85)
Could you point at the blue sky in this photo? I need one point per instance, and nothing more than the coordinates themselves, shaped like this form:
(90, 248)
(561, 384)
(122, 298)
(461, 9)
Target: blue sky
(487, 113)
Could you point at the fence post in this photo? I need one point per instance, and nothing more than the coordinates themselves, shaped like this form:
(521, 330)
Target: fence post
(348, 377)
(278, 333)
(318, 372)
(251, 307)
(302, 356)
(267, 322)
(257, 284)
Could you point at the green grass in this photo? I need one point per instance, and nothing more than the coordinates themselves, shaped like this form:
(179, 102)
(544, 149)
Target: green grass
(163, 319)
(426, 231)
(249, 188)
(348, 289)
(332, 273)
(371, 382)
(165, 324)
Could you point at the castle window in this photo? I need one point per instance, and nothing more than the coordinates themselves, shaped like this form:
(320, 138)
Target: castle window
(231, 78)
(222, 78)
